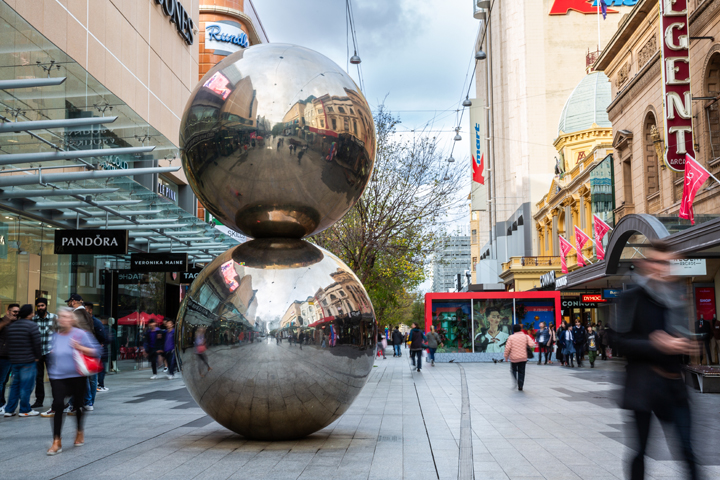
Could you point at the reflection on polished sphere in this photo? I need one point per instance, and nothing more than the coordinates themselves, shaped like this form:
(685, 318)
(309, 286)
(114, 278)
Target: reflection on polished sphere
(277, 141)
(279, 348)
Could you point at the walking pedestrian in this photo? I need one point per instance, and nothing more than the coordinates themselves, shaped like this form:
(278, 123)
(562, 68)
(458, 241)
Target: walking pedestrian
(560, 341)
(542, 337)
(200, 348)
(568, 346)
(551, 342)
(169, 349)
(47, 323)
(151, 344)
(5, 366)
(99, 334)
(397, 339)
(580, 341)
(516, 352)
(105, 356)
(382, 344)
(406, 339)
(433, 340)
(417, 340)
(592, 345)
(25, 350)
(601, 340)
(651, 316)
(65, 380)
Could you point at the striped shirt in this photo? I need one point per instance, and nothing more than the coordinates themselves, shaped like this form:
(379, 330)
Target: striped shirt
(47, 326)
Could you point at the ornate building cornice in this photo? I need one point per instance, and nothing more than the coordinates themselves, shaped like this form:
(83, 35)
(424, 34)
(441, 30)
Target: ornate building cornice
(650, 72)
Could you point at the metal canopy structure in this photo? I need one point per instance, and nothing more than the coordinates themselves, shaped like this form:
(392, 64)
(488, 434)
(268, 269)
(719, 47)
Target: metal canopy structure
(74, 156)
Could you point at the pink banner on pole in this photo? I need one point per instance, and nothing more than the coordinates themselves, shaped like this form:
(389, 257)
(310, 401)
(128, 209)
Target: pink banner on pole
(599, 230)
(565, 249)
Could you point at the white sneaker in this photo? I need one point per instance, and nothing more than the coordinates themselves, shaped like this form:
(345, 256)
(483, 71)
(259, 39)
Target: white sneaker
(103, 389)
(89, 408)
(2, 410)
(165, 370)
(68, 409)
(153, 377)
(31, 413)
(48, 414)
(170, 377)
(8, 414)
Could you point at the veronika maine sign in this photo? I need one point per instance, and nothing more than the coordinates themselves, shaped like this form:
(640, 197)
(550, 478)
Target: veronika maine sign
(91, 242)
(677, 99)
(159, 262)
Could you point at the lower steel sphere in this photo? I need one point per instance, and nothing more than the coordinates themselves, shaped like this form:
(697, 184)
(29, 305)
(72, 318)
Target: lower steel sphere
(275, 338)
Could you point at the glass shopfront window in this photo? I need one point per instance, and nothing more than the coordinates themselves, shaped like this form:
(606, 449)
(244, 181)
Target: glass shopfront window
(482, 322)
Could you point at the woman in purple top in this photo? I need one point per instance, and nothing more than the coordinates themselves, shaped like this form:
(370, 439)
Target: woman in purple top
(64, 377)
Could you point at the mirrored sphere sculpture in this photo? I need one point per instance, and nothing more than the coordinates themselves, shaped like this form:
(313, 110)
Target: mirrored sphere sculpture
(275, 338)
(278, 141)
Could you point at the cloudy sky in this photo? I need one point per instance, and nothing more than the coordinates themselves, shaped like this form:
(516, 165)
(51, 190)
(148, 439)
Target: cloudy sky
(415, 54)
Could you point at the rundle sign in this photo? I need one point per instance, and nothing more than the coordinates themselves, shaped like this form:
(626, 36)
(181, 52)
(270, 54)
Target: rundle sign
(677, 99)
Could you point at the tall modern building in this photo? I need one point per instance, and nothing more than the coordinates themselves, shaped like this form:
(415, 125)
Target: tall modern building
(451, 259)
(527, 44)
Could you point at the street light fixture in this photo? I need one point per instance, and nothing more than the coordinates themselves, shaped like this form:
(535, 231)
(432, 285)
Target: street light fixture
(480, 55)
(451, 159)
(467, 102)
(355, 59)
(457, 135)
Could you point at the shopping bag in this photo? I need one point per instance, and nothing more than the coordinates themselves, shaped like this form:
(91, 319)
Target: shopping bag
(85, 364)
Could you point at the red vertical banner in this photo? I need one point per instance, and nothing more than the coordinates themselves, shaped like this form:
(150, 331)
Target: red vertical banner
(677, 99)
(705, 302)
(600, 228)
(565, 249)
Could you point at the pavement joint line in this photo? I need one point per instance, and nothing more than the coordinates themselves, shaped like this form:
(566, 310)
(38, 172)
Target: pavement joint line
(427, 433)
(466, 470)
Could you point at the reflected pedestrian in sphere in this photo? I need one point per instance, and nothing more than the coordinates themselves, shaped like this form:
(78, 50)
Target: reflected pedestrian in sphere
(651, 318)
(65, 380)
(417, 339)
(200, 348)
(516, 352)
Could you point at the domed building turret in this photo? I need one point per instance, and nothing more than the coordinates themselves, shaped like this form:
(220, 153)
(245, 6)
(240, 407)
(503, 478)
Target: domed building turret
(583, 174)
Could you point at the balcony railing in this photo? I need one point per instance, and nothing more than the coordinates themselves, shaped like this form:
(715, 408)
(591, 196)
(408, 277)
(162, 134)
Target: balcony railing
(517, 262)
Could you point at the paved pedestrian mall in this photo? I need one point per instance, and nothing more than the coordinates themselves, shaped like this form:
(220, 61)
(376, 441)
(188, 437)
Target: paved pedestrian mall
(451, 421)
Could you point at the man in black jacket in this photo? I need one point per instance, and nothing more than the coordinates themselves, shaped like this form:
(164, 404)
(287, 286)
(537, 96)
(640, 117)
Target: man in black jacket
(25, 350)
(651, 319)
(5, 366)
(397, 339)
(579, 341)
(417, 339)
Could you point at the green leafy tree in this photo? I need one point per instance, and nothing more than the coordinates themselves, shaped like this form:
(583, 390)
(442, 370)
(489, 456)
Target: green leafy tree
(388, 237)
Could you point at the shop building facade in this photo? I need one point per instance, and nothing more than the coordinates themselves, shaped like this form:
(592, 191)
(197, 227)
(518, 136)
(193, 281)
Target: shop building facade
(92, 94)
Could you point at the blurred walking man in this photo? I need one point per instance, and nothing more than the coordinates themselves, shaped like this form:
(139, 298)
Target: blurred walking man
(652, 317)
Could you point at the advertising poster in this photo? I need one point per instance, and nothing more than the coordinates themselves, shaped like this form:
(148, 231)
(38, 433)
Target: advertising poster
(478, 158)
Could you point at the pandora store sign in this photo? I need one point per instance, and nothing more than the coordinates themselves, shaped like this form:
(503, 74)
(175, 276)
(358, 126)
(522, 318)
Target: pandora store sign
(677, 99)
(91, 242)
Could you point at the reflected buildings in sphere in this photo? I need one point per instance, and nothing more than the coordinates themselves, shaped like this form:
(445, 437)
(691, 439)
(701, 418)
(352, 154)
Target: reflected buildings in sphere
(289, 343)
(277, 141)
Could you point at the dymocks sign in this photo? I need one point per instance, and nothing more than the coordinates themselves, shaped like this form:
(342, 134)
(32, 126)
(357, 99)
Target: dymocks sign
(91, 242)
(677, 99)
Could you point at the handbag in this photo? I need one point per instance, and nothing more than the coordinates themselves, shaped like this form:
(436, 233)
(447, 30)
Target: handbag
(530, 353)
(85, 364)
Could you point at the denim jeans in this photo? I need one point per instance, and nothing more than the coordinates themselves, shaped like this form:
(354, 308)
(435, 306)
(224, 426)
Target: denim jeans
(5, 367)
(90, 391)
(101, 374)
(416, 353)
(397, 350)
(21, 388)
(170, 356)
(431, 355)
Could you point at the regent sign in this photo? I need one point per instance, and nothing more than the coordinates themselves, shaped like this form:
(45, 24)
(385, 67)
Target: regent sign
(587, 7)
(677, 99)
(179, 16)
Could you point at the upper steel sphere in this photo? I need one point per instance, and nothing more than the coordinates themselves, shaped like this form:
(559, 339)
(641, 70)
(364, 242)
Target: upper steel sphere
(276, 338)
(277, 141)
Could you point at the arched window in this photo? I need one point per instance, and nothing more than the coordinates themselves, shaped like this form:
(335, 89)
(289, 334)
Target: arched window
(712, 109)
(652, 182)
